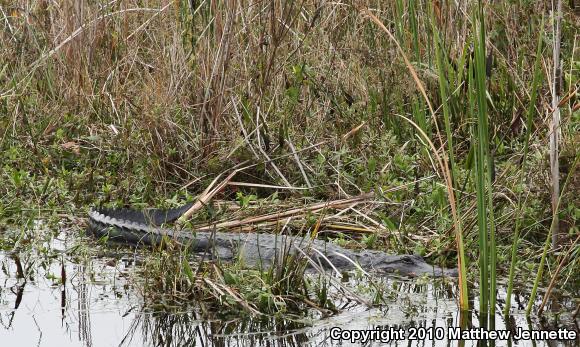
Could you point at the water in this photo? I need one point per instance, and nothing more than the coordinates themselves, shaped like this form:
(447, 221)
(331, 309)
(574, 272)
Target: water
(98, 306)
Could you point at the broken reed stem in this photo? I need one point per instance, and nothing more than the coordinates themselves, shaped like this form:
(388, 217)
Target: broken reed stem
(556, 274)
(206, 196)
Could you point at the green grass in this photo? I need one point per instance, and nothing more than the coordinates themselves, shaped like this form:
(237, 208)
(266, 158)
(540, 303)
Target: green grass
(146, 107)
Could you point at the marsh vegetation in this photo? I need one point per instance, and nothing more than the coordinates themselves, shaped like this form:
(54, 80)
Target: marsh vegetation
(439, 114)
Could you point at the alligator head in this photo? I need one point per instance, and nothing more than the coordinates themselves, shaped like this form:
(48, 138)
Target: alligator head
(407, 265)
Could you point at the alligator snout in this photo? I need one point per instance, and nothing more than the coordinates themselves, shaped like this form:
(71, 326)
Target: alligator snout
(412, 265)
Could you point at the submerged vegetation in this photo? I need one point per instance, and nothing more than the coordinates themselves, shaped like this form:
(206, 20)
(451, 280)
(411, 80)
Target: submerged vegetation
(440, 109)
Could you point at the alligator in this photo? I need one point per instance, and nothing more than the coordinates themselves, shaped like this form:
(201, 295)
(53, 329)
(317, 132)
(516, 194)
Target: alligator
(256, 250)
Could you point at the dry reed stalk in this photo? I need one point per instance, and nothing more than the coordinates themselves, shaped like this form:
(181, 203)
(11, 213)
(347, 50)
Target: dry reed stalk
(285, 214)
(555, 276)
(555, 124)
(206, 196)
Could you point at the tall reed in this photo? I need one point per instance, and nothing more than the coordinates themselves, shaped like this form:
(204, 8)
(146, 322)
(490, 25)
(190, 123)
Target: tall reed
(414, 28)
(442, 161)
(529, 123)
(555, 126)
(483, 164)
(443, 68)
(444, 93)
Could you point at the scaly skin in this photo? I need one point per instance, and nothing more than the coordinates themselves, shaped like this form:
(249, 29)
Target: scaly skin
(255, 250)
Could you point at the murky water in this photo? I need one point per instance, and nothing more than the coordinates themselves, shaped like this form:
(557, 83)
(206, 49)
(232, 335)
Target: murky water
(97, 306)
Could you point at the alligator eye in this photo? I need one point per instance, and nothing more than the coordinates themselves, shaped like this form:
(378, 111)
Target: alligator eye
(407, 260)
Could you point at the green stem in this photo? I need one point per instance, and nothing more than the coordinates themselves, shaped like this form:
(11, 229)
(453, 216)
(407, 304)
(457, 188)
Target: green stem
(529, 122)
(483, 175)
(549, 239)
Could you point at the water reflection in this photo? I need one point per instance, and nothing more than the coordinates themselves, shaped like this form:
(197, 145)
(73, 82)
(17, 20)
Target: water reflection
(55, 299)
(186, 329)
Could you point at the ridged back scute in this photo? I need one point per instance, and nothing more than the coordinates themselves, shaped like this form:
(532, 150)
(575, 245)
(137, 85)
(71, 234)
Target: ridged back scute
(151, 216)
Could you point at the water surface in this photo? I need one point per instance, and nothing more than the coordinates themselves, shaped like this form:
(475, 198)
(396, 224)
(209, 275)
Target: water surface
(51, 297)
